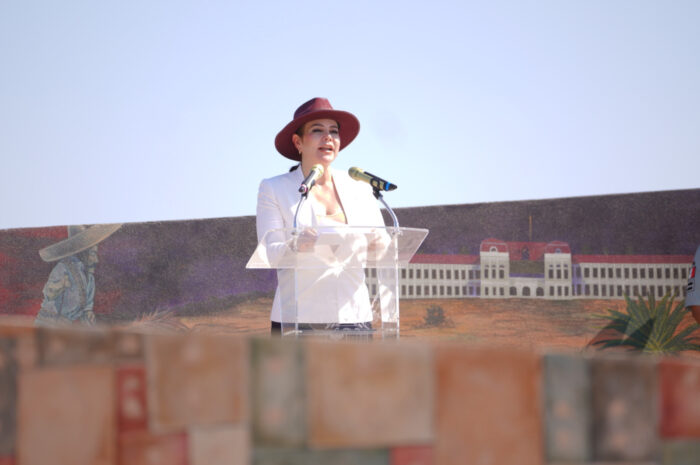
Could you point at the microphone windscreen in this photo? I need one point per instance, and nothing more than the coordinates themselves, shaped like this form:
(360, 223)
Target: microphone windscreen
(356, 173)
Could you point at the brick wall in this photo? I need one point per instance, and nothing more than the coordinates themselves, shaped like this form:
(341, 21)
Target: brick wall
(115, 397)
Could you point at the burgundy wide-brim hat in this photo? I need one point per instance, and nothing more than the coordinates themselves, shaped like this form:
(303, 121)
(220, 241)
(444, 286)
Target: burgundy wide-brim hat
(316, 108)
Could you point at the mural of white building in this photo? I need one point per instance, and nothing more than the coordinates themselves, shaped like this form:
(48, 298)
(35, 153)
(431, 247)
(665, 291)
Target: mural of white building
(613, 276)
(545, 270)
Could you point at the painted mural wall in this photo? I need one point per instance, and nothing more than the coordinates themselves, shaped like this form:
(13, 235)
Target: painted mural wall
(511, 273)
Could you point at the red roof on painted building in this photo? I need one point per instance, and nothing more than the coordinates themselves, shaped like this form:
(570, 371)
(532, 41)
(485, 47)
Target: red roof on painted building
(557, 247)
(682, 259)
(460, 259)
(525, 250)
(488, 244)
(456, 259)
(535, 251)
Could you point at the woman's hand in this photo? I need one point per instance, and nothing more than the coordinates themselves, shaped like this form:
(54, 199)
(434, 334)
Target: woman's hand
(305, 241)
(377, 244)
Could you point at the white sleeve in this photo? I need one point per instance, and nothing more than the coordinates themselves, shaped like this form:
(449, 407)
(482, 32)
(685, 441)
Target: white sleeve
(372, 207)
(269, 217)
(268, 214)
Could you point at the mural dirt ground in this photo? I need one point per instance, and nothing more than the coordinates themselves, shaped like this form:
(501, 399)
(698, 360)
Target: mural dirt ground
(523, 323)
(519, 323)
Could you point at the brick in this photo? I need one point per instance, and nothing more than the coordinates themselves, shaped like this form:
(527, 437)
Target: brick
(128, 346)
(8, 397)
(219, 445)
(26, 352)
(14, 326)
(567, 408)
(616, 462)
(683, 452)
(143, 448)
(679, 386)
(66, 416)
(74, 346)
(411, 455)
(132, 404)
(196, 380)
(487, 406)
(369, 395)
(9, 460)
(624, 399)
(290, 456)
(278, 387)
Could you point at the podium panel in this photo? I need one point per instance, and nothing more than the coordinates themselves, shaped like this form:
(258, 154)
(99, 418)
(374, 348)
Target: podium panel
(338, 281)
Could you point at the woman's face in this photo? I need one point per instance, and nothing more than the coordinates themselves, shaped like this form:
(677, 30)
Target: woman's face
(320, 142)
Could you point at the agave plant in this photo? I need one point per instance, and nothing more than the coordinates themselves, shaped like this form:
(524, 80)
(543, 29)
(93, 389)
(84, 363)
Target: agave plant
(435, 316)
(648, 326)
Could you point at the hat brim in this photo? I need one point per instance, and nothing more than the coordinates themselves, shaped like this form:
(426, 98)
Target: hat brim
(79, 242)
(348, 128)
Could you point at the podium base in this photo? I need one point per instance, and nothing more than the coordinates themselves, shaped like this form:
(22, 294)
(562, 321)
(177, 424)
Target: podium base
(343, 335)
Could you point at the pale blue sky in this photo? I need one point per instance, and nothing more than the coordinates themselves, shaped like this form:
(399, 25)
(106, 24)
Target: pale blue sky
(143, 111)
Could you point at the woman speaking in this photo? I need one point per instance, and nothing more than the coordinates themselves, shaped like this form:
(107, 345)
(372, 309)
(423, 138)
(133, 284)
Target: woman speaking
(331, 298)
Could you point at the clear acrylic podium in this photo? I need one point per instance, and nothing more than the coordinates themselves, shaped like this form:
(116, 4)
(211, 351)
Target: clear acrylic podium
(330, 277)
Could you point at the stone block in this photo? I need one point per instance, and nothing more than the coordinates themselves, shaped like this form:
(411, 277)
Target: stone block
(679, 386)
(14, 328)
(8, 397)
(369, 395)
(58, 346)
(66, 416)
(219, 445)
(681, 452)
(567, 408)
(132, 405)
(278, 379)
(624, 398)
(128, 346)
(487, 406)
(291, 456)
(411, 455)
(26, 351)
(196, 380)
(144, 448)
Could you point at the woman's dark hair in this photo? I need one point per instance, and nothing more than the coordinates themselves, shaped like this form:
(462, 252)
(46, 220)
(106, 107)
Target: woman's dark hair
(300, 133)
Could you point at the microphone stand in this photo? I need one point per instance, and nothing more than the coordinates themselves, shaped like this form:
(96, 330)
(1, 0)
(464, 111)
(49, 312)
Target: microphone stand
(303, 197)
(394, 239)
(295, 233)
(378, 195)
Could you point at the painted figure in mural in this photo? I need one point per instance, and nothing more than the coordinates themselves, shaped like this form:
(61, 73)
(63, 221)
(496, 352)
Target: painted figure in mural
(315, 136)
(69, 293)
(692, 298)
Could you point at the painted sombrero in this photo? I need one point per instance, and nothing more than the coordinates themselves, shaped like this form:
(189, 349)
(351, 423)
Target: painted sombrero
(80, 238)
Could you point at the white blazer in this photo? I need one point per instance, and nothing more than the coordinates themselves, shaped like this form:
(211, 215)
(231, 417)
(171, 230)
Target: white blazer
(335, 296)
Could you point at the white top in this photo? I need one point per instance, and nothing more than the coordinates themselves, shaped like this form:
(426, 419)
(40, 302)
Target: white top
(324, 296)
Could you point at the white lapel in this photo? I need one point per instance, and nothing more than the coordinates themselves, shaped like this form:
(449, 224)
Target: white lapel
(345, 195)
(307, 213)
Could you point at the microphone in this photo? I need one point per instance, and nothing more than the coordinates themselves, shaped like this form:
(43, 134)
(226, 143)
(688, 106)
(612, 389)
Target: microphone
(315, 173)
(375, 181)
